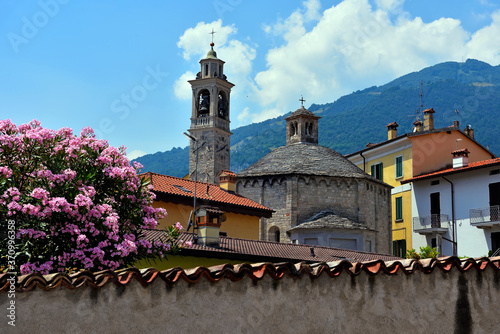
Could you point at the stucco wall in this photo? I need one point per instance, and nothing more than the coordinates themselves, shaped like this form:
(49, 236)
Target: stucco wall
(443, 302)
(432, 151)
(236, 225)
(471, 240)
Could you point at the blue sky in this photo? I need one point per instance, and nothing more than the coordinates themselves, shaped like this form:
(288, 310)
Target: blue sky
(122, 67)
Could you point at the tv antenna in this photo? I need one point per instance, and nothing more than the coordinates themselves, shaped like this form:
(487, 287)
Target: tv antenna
(419, 111)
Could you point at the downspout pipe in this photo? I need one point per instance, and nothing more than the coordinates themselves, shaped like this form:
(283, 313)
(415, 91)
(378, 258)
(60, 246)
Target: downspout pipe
(364, 161)
(453, 225)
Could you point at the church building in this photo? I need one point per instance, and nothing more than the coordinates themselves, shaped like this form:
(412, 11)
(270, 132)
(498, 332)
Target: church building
(319, 197)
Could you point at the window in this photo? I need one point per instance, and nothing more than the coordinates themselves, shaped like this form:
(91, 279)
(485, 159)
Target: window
(274, 234)
(311, 241)
(399, 248)
(399, 166)
(494, 189)
(435, 210)
(377, 171)
(495, 172)
(399, 208)
(344, 243)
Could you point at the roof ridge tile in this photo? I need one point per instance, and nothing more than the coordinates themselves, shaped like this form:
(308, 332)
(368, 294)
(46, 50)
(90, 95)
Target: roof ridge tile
(255, 272)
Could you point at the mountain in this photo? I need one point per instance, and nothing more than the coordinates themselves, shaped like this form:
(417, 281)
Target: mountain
(354, 120)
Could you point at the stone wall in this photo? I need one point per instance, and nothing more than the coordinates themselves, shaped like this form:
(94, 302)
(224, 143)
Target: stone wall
(296, 198)
(443, 301)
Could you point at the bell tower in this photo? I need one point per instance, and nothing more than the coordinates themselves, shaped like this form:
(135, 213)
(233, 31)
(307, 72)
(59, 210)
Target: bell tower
(210, 120)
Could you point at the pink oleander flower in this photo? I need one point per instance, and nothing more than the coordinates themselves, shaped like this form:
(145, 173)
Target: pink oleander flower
(40, 193)
(5, 171)
(77, 202)
(179, 226)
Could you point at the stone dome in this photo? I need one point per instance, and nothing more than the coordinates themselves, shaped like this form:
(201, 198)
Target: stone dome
(305, 159)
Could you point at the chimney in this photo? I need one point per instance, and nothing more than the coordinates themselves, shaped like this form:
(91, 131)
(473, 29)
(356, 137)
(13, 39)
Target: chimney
(208, 220)
(419, 126)
(392, 130)
(460, 158)
(227, 180)
(429, 119)
(469, 131)
(456, 124)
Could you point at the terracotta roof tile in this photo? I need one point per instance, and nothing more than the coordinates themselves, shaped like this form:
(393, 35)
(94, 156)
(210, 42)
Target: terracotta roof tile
(206, 191)
(228, 173)
(242, 271)
(269, 250)
(471, 166)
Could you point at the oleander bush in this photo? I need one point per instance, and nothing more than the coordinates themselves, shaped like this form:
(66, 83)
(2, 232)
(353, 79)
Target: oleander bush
(70, 201)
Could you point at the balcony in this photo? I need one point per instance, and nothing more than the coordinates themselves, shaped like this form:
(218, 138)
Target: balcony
(433, 224)
(485, 217)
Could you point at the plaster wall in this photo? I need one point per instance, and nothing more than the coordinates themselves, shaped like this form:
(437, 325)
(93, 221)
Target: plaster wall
(442, 302)
(236, 225)
(471, 192)
(432, 151)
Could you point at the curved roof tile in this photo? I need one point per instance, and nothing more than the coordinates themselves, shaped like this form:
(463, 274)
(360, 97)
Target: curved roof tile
(238, 272)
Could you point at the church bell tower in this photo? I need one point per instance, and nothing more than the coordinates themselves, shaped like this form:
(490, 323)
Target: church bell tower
(210, 120)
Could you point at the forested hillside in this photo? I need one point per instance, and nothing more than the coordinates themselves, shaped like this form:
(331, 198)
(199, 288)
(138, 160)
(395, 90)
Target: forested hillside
(348, 124)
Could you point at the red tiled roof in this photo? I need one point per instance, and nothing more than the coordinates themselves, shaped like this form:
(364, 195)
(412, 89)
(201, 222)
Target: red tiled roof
(471, 166)
(204, 191)
(228, 173)
(260, 251)
(238, 272)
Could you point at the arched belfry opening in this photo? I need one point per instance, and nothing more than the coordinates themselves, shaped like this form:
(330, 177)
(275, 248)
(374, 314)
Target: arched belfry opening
(203, 105)
(210, 119)
(222, 105)
(302, 126)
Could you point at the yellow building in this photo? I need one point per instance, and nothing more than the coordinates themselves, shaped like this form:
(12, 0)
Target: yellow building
(405, 156)
(239, 216)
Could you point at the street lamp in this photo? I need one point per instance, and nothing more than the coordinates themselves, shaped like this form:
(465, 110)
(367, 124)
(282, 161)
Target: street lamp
(197, 147)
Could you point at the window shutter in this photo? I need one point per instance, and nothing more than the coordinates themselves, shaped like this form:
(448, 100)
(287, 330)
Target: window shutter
(381, 177)
(373, 170)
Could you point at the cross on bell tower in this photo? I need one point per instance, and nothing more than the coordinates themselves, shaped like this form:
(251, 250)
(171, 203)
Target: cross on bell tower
(210, 119)
(302, 126)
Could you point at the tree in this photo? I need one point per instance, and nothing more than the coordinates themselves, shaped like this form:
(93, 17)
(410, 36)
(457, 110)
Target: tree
(71, 201)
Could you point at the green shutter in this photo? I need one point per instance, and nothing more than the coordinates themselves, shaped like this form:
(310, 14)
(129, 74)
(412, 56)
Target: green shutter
(399, 167)
(399, 208)
(381, 174)
(395, 248)
(373, 170)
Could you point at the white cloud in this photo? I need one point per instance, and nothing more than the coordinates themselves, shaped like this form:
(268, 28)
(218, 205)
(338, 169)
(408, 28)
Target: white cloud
(233, 51)
(324, 55)
(390, 5)
(182, 89)
(195, 41)
(352, 46)
(312, 10)
(485, 43)
(135, 154)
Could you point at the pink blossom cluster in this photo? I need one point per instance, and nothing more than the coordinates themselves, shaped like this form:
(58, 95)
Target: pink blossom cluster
(76, 199)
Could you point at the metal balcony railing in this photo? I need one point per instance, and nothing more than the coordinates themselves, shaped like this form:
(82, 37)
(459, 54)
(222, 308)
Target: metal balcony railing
(438, 223)
(485, 216)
